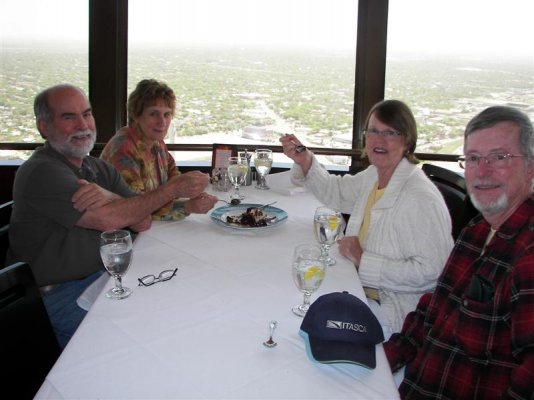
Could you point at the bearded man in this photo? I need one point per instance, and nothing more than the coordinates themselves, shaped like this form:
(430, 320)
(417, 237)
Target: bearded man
(63, 200)
(473, 337)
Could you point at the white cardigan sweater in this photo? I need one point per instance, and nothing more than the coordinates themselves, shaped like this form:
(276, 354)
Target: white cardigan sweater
(409, 237)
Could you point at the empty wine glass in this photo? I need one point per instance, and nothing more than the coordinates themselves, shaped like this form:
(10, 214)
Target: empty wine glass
(116, 253)
(328, 225)
(263, 161)
(308, 273)
(237, 172)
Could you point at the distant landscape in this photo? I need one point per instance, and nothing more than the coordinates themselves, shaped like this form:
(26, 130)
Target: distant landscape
(256, 95)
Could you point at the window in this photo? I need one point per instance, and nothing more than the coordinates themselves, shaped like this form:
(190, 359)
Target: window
(43, 43)
(450, 59)
(237, 81)
(245, 72)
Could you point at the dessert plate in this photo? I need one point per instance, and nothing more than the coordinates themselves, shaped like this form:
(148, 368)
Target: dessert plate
(273, 215)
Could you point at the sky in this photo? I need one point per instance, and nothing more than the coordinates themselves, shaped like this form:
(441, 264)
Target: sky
(485, 26)
(494, 26)
(268, 22)
(45, 19)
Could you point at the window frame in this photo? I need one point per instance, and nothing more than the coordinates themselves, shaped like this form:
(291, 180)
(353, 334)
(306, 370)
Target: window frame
(108, 60)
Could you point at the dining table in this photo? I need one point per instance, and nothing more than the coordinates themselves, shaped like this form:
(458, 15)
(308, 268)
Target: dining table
(200, 334)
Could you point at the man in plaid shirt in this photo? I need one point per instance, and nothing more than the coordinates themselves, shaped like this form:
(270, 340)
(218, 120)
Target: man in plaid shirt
(473, 338)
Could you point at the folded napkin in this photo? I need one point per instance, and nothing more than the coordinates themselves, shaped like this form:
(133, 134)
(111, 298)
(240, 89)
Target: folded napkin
(281, 183)
(89, 295)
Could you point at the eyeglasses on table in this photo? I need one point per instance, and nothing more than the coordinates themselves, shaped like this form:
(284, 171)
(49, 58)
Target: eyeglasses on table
(149, 280)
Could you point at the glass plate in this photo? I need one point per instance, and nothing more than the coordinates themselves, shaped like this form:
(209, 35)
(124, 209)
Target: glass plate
(219, 215)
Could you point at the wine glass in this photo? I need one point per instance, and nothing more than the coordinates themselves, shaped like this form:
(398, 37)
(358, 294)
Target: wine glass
(237, 172)
(308, 272)
(263, 161)
(116, 253)
(328, 225)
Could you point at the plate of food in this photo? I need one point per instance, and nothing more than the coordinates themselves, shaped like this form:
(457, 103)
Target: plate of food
(248, 216)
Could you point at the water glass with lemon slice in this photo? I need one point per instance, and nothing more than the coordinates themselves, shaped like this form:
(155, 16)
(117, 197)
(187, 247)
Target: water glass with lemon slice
(329, 226)
(308, 273)
(263, 162)
(237, 172)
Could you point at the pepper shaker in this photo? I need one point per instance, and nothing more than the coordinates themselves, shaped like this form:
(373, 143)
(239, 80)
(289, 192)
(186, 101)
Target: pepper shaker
(248, 178)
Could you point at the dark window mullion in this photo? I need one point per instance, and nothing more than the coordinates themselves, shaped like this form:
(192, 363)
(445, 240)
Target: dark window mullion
(108, 52)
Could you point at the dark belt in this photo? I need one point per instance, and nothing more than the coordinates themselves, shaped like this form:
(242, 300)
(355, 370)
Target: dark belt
(48, 288)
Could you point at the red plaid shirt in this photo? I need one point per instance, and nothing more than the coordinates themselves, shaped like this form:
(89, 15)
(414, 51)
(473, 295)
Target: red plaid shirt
(473, 338)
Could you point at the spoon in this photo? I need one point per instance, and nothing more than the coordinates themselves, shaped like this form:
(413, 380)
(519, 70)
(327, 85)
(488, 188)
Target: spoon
(300, 148)
(270, 342)
(233, 202)
(266, 205)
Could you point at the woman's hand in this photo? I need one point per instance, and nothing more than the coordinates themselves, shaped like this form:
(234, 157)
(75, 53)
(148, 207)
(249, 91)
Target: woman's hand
(188, 185)
(304, 158)
(200, 204)
(350, 248)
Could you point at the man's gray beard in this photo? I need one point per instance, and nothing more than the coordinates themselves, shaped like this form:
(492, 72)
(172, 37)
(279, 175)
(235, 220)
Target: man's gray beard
(496, 207)
(69, 150)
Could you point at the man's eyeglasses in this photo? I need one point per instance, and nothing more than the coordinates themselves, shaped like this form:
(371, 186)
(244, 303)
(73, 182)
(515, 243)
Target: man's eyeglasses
(388, 133)
(149, 280)
(495, 160)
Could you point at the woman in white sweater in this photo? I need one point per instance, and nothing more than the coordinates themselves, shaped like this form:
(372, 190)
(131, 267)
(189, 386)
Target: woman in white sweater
(399, 232)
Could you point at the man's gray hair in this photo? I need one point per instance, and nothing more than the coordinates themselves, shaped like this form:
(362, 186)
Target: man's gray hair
(493, 115)
(41, 107)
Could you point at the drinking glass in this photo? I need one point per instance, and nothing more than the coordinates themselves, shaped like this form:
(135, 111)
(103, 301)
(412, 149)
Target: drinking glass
(237, 172)
(116, 253)
(263, 161)
(308, 273)
(328, 225)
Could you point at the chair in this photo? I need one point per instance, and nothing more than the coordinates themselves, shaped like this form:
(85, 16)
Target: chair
(5, 216)
(28, 344)
(454, 191)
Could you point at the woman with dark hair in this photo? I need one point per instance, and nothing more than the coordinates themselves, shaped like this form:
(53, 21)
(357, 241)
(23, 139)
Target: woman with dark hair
(399, 232)
(140, 154)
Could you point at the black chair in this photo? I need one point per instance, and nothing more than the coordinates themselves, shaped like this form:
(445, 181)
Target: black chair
(453, 189)
(5, 216)
(28, 344)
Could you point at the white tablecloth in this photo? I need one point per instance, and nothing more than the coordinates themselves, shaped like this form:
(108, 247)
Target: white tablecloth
(199, 335)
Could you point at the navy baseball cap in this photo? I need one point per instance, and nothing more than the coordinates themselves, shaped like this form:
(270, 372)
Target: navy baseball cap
(340, 328)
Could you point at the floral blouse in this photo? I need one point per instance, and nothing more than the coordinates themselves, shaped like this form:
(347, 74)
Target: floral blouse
(144, 167)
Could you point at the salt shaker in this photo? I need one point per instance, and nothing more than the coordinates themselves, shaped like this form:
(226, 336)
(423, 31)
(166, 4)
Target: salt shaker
(220, 179)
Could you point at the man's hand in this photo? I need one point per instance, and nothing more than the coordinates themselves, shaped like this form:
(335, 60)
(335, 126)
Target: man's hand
(350, 248)
(189, 185)
(90, 196)
(200, 204)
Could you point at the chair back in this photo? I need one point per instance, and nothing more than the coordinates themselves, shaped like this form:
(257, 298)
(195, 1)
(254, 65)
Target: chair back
(29, 347)
(454, 191)
(5, 216)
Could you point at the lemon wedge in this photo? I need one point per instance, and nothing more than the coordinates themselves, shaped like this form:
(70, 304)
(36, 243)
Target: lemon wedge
(334, 222)
(313, 272)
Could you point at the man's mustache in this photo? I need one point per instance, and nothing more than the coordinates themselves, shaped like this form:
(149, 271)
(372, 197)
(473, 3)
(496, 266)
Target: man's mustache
(80, 134)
